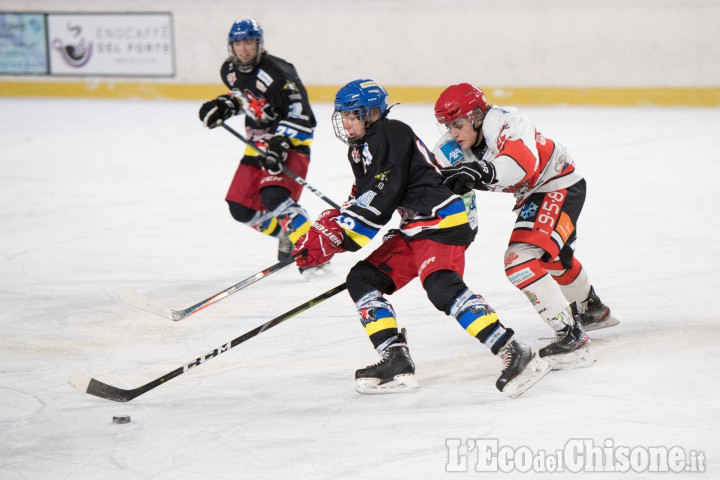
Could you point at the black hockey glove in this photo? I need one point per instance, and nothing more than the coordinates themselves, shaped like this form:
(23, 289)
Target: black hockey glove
(214, 112)
(276, 154)
(462, 178)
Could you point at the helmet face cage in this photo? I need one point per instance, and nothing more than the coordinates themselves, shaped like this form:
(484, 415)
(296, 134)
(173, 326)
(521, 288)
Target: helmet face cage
(242, 30)
(341, 133)
(359, 98)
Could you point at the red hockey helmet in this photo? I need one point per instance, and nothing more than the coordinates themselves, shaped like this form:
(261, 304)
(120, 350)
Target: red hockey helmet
(462, 100)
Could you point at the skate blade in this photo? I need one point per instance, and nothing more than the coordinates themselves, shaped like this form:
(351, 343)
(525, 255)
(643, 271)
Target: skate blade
(608, 322)
(399, 384)
(534, 371)
(580, 358)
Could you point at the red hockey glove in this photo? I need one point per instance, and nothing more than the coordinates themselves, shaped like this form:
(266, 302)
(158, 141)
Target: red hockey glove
(321, 242)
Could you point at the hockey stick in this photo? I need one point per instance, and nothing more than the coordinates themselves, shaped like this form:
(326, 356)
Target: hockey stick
(86, 384)
(286, 170)
(144, 303)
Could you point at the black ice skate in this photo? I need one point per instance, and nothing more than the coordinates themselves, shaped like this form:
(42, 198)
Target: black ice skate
(394, 373)
(596, 314)
(570, 348)
(522, 369)
(285, 246)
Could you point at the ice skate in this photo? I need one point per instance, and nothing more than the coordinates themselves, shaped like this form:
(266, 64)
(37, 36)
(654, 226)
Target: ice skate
(570, 349)
(394, 373)
(285, 247)
(596, 314)
(522, 369)
(315, 272)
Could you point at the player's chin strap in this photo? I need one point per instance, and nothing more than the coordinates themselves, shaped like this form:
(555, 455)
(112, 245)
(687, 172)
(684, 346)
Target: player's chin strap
(285, 170)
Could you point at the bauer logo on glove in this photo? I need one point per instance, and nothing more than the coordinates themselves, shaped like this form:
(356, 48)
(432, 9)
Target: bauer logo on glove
(321, 242)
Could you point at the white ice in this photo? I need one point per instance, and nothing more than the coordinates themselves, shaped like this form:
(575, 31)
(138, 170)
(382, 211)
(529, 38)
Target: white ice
(101, 197)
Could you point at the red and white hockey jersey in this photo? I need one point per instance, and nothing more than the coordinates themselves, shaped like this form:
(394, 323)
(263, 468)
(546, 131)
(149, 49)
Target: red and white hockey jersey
(525, 162)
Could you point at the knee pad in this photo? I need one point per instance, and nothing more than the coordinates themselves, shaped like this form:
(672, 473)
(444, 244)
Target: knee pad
(273, 196)
(241, 213)
(522, 264)
(365, 277)
(443, 287)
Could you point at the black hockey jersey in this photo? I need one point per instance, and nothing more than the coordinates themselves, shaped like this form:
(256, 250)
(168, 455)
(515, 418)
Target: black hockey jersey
(395, 171)
(273, 100)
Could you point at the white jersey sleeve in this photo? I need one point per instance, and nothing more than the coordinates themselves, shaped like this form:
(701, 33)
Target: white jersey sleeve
(503, 124)
(525, 162)
(448, 153)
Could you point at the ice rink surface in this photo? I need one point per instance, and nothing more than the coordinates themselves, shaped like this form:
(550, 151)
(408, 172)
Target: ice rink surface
(99, 197)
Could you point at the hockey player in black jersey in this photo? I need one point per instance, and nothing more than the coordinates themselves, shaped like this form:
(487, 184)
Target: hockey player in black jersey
(394, 171)
(268, 91)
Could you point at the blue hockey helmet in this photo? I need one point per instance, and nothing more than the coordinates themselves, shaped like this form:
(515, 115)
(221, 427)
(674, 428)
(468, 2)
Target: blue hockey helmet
(360, 97)
(241, 30)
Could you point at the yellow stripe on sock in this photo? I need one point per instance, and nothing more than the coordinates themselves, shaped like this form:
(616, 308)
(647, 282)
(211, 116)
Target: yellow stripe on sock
(299, 232)
(271, 228)
(381, 324)
(480, 323)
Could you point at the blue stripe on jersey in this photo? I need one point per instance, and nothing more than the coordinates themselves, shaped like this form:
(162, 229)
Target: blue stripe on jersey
(455, 207)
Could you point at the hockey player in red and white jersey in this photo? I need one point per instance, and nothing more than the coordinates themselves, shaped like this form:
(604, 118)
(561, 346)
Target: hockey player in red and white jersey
(496, 149)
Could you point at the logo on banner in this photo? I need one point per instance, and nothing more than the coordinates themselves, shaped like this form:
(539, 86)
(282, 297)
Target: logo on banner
(77, 53)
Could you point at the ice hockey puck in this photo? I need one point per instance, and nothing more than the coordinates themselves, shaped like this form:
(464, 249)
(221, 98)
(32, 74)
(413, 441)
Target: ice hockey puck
(122, 419)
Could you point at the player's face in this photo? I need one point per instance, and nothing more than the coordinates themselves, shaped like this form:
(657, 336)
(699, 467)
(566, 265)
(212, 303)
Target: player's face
(463, 132)
(353, 123)
(246, 49)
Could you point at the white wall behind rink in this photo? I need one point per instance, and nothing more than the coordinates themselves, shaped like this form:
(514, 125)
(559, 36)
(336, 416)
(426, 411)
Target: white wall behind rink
(536, 43)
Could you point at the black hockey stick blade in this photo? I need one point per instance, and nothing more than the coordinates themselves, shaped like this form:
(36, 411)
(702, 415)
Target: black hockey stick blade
(146, 304)
(92, 386)
(287, 171)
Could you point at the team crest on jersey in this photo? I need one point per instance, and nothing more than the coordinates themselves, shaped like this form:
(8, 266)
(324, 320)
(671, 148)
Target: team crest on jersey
(231, 78)
(451, 151)
(258, 108)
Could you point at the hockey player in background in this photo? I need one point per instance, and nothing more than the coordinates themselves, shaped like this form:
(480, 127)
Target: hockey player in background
(268, 91)
(394, 171)
(496, 149)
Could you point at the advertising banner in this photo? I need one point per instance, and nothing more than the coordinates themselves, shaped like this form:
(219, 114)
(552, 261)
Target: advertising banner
(23, 44)
(111, 44)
